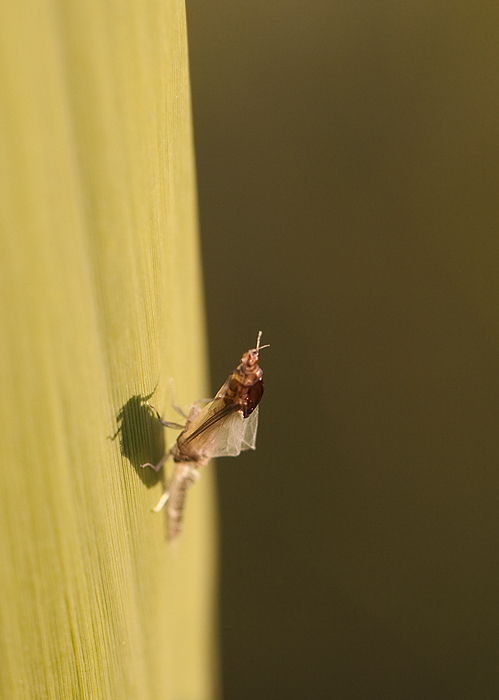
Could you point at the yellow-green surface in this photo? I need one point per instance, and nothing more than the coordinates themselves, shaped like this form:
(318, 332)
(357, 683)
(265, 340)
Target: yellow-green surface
(100, 305)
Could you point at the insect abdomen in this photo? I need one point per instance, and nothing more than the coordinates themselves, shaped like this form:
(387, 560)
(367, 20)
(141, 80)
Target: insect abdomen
(185, 475)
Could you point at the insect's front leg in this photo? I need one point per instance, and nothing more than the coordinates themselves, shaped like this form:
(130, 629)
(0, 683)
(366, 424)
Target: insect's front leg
(175, 405)
(167, 424)
(200, 401)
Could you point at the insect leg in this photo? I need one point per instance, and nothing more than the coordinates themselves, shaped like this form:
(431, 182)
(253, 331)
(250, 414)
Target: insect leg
(162, 501)
(167, 424)
(179, 410)
(157, 466)
(200, 401)
(175, 405)
(183, 477)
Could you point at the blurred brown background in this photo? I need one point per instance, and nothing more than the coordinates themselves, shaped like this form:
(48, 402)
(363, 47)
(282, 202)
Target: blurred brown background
(348, 184)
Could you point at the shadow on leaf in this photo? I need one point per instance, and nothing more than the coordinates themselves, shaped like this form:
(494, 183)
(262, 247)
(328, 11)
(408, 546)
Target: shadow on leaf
(142, 438)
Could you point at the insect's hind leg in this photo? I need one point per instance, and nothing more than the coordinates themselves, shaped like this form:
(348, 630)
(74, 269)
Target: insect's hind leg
(162, 501)
(157, 466)
(180, 479)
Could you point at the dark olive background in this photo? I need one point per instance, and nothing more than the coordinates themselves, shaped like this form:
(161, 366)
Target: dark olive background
(348, 165)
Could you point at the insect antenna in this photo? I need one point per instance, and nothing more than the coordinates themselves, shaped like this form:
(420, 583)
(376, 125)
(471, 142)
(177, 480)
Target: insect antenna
(258, 346)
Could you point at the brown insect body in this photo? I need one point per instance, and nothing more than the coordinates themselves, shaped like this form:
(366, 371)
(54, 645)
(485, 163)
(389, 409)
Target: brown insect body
(244, 387)
(226, 426)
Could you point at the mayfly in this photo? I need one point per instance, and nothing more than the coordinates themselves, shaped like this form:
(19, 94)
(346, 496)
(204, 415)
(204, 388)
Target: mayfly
(225, 427)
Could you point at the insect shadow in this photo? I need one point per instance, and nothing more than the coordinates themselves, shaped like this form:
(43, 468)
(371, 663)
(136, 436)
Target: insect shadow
(141, 437)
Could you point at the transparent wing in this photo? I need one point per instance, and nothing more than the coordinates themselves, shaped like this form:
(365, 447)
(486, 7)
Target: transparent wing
(219, 430)
(236, 434)
(250, 427)
(204, 424)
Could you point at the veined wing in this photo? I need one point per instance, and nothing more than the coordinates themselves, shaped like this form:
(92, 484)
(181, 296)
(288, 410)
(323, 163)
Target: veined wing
(220, 430)
(236, 434)
(208, 419)
(250, 427)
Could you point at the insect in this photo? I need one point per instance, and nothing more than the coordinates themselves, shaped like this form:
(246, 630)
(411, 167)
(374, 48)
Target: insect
(225, 427)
